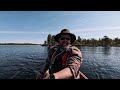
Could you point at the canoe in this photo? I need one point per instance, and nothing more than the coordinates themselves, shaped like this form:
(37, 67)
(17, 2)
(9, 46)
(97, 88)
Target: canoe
(83, 76)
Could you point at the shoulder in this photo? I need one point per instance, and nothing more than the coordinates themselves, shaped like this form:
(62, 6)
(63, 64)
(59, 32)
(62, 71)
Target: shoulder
(52, 49)
(77, 51)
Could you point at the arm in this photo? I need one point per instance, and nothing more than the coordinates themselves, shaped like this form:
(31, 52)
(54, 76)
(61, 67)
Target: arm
(44, 72)
(63, 74)
(46, 66)
(75, 62)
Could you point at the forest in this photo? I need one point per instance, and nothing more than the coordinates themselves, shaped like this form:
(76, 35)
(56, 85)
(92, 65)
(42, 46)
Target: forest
(105, 41)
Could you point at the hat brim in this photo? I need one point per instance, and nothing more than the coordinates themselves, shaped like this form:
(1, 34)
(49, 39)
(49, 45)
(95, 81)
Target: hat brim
(72, 36)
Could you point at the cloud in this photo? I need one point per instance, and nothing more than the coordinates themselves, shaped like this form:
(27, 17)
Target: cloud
(114, 28)
(100, 32)
(24, 32)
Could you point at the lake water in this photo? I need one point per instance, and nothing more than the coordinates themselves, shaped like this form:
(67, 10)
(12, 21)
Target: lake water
(23, 62)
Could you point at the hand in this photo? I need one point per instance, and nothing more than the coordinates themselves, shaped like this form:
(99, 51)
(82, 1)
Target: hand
(46, 75)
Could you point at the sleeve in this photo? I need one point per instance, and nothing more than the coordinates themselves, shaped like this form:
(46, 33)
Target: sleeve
(50, 52)
(75, 61)
(48, 60)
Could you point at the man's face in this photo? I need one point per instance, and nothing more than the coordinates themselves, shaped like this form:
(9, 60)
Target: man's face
(65, 40)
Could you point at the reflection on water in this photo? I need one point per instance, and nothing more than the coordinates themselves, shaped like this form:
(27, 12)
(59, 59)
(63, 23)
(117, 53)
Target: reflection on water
(23, 62)
(106, 50)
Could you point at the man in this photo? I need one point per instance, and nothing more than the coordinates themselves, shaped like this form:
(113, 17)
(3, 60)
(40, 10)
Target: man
(63, 60)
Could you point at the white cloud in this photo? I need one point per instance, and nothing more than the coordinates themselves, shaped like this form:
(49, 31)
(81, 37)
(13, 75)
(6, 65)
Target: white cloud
(24, 32)
(114, 28)
(111, 32)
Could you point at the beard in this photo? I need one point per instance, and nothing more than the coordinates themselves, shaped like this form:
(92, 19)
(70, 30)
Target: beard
(65, 43)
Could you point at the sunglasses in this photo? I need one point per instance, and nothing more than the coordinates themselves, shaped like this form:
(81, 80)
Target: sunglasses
(65, 38)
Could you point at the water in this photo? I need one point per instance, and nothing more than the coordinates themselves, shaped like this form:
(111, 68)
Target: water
(101, 62)
(23, 62)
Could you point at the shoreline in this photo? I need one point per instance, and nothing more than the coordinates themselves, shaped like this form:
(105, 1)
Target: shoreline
(17, 44)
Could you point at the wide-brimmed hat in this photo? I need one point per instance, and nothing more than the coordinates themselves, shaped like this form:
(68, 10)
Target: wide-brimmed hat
(65, 31)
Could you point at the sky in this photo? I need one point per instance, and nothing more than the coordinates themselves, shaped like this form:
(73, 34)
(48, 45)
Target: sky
(34, 26)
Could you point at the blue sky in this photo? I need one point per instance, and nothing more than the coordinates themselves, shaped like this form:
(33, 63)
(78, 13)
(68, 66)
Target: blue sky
(34, 26)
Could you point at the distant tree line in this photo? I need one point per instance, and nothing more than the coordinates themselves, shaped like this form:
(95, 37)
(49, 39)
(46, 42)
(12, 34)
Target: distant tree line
(17, 44)
(105, 41)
